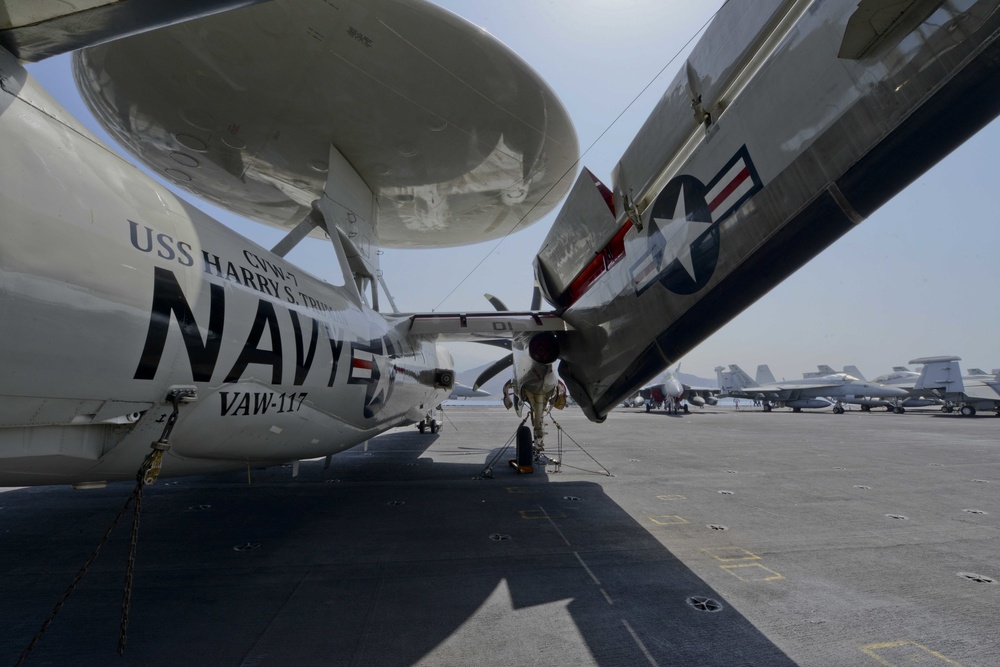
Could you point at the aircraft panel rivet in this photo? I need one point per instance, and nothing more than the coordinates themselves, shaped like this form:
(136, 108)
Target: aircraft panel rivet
(726, 493)
(715, 526)
(570, 498)
(499, 537)
(860, 486)
(978, 578)
(896, 516)
(395, 503)
(199, 508)
(975, 511)
(248, 546)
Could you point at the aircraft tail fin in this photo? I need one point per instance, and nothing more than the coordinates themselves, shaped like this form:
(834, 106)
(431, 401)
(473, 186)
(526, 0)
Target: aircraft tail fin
(977, 371)
(941, 373)
(825, 369)
(764, 375)
(734, 378)
(853, 370)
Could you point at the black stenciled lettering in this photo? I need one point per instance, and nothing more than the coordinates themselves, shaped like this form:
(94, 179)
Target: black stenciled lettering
(212, 261)
(134, 236)
(261, 402)
(168, 298)
(184, 256)
(252, 354)
(225, 405)
(303, 360)
(336, 347)
(166, 243)
(248, 278)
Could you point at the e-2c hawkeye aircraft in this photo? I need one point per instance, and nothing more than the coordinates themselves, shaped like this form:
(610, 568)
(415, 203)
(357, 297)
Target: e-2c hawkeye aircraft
(130, 317)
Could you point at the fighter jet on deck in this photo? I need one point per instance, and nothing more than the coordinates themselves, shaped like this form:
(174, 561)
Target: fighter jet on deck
(799, 394)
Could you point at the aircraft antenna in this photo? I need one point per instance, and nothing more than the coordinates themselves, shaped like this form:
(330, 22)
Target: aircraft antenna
(573, 166)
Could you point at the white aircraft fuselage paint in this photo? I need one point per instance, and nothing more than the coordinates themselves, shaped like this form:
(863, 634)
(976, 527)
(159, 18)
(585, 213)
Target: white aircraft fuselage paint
(114, 290)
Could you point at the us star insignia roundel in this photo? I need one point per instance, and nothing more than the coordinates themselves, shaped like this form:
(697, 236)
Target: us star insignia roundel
(683, 227)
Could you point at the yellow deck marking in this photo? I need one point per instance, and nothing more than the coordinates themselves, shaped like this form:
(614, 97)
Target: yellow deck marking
(730, 553)
(668, 520)
(752, 572)
(906, 653)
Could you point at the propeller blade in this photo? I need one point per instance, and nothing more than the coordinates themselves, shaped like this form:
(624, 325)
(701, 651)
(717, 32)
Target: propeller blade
(493, 370)
(497, 303)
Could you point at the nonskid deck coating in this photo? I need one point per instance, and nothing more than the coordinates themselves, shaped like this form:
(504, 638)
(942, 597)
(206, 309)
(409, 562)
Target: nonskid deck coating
(396, 555)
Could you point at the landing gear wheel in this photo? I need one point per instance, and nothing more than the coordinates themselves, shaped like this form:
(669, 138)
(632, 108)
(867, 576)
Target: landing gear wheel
(946, 408)
(900, 410)
(422, 426)
(866, 408)
(767, 408)
(888, 408)
(648, 407)
(837, 410)
(968, 411)
(525, 449)
(796, 409)
(434, 426)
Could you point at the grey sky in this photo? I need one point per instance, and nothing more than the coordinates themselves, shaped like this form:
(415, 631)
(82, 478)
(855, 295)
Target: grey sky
(916, 279)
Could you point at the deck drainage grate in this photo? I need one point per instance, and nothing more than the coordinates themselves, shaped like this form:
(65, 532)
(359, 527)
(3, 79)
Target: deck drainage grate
(570, 498)
(975, 511)
(248, 546)
(715, 526)
(978, 578)
(704, 604)
(396, 503)
(731, 472)
(861, 486)
(726, 493)
(199, 508)
(839, 468)
(499, 537)
(981, 481)
(332, 481)
(896, 516)
(635, 460)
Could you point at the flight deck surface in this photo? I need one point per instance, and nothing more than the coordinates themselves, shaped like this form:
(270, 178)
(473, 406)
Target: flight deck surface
(724, 537)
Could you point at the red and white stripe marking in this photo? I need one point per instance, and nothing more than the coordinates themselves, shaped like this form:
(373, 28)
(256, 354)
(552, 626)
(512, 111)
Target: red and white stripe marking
(730, 189)
(362, 364)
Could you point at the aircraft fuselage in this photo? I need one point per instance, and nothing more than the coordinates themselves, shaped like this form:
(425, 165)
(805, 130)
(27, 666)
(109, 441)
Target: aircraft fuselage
(114, 291)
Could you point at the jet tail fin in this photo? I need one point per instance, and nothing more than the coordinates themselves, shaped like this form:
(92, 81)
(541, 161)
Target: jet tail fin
(853, 370)
(764, 375)
(941, 373)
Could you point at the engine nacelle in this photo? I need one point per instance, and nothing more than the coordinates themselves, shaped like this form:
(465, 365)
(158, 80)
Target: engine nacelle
(711, 400)
(697, 401)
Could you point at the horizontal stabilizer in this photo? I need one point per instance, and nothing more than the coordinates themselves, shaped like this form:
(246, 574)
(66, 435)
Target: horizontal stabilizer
(473, 326)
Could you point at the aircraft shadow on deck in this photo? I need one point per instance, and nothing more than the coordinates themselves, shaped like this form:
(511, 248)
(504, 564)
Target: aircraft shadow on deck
(387, 558)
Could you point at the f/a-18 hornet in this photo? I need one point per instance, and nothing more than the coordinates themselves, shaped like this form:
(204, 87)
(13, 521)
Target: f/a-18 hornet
(131, 317)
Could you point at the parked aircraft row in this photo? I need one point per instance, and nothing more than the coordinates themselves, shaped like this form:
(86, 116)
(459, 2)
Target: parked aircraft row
(940, 382)
(130, 316)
